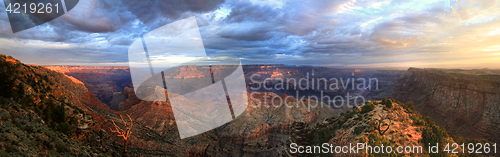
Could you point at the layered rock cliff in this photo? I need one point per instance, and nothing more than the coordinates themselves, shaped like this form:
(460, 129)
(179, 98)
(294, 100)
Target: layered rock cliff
(103, 82)
(463, 102)
(259, 131)
(46, 113)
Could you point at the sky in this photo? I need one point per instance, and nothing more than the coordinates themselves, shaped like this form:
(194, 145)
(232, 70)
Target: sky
(461, 34)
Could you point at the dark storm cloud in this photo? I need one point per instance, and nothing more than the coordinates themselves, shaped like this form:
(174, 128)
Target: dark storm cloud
(246, 11)
(150, 11)
(99, 17)
(92, 16)
(315, 27)
(274, 31)
(98, 31)
(291, 29)
(248, 32)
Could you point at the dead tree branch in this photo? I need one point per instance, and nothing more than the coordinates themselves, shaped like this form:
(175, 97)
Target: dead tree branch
(379, 128)
(125, 133)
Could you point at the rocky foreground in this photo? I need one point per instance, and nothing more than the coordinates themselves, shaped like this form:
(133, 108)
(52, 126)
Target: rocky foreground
(384, 123)
(46, 113)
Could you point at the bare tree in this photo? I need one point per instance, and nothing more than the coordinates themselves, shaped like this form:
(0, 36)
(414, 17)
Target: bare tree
(379, 127)
(125, 133)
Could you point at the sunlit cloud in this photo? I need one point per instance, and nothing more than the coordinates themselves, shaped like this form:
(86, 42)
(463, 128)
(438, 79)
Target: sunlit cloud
(343, 33)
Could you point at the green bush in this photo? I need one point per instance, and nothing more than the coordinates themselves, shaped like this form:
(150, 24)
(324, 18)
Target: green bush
(367, 108)
(387, 102)
(3, 153)
(4, 114)
(409, 107)
(12, 149)
(432, 135)
(62, 147)
(59, 114)
(20, 89)
(48, 144)
(64, 128)
(417, 120)
(6, 82)
(7, 127)
(3, 101)
(374, 139)
(359, 129)
(53, 153)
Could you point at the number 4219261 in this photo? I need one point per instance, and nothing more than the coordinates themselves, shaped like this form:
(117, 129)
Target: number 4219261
(477, 148)
(33, 8)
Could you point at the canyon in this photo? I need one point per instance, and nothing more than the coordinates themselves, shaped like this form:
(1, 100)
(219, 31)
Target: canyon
(464, 102)
(103, 82)
(108, 84)
(258, 131)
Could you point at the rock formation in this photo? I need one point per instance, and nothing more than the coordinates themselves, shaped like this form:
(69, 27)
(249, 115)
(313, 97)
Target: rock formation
(463, 102)
(103, 82)
(46, 113)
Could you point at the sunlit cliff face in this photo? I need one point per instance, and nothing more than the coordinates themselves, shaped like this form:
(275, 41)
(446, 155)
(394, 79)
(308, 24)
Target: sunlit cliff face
(344, 33)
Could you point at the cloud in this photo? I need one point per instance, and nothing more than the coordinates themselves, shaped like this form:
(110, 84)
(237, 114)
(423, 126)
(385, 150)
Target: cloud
(341, 32)
(152, 11)
(246, 11)
(96, 16)
(248, 31)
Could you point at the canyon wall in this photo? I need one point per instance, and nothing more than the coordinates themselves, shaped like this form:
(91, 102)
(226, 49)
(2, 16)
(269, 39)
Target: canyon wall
(103, 82)
(259, 131)
(465, 102)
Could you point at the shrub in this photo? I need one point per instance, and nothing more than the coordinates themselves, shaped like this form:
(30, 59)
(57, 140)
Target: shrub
(374, 139)
(20, 89)
(417, 120)
(33, 143)
(432, 135)
(367, 108)
(48, 144)
(58, 114)
(387, 102)
(3, 153)
(53, 153)
(7, 127)
(6, 82)
(359, 130)
(3, 101)
(323, 135)
(12, 149)
(64, 128)
(409, 107)
(62, 147)
(4, 114)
